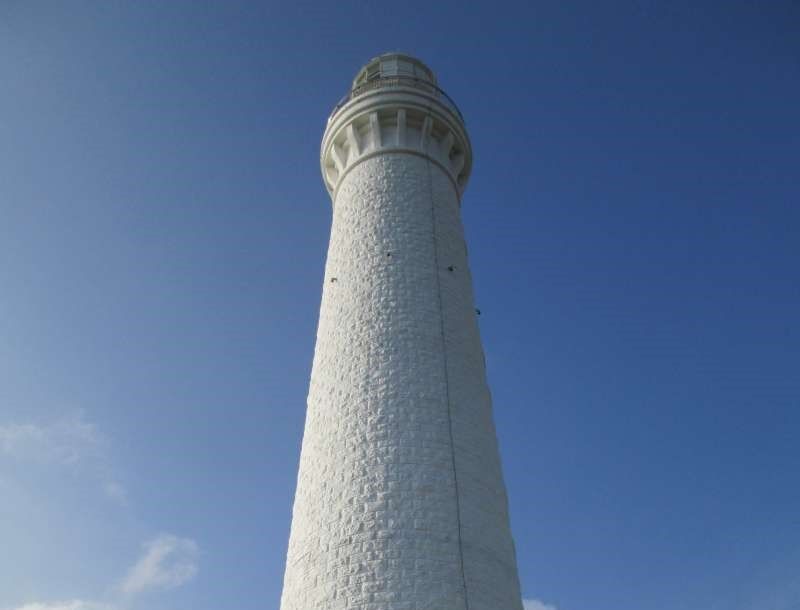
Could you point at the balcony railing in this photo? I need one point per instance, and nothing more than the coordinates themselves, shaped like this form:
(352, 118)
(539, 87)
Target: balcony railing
(400, 81)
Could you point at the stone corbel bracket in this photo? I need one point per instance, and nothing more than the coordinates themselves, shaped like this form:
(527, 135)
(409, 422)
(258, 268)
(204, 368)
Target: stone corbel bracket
(395, 119)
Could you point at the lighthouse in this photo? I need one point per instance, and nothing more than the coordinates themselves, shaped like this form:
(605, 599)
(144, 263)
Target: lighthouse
(400, 500)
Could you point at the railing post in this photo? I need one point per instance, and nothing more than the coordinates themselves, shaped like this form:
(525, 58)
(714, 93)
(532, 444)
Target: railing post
(399, 81)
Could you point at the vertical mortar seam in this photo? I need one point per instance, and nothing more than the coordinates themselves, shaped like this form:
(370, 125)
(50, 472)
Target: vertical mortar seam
(447, 381)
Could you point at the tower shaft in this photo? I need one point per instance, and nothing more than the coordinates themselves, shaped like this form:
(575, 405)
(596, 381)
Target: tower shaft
(400, 501)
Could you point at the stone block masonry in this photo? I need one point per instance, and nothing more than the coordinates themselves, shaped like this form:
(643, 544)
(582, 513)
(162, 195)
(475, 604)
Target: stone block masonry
(400, 501)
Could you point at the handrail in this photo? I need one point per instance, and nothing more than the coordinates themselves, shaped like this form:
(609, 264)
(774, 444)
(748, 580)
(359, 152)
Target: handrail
(399, 81)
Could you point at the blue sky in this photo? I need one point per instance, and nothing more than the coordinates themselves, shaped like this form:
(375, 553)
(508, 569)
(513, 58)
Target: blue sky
(633, 227)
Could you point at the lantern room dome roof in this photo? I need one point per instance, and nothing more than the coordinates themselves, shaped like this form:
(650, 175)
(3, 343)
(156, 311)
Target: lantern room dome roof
(391, 65)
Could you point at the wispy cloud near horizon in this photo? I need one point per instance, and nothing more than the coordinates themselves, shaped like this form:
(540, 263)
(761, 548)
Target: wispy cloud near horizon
(68, 441)
(116, 492)
(167, 562)
(535, 604)
(75, 604)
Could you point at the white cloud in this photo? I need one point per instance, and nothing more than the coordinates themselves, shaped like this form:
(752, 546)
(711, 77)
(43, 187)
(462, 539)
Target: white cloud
(116, 492)
(71, 443)
(68, 441)
(75, 604)
(535, 604)
(167, 562)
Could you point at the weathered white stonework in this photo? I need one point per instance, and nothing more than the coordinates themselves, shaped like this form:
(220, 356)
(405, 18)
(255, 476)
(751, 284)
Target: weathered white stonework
(400, 501)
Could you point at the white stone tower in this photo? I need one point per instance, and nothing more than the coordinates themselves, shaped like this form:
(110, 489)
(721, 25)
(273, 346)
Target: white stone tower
(400, 501)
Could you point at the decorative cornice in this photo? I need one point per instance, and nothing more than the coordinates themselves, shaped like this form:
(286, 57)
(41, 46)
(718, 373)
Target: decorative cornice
(395, 117)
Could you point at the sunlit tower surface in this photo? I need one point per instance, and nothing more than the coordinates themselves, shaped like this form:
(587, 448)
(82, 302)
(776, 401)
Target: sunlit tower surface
(400, 501)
